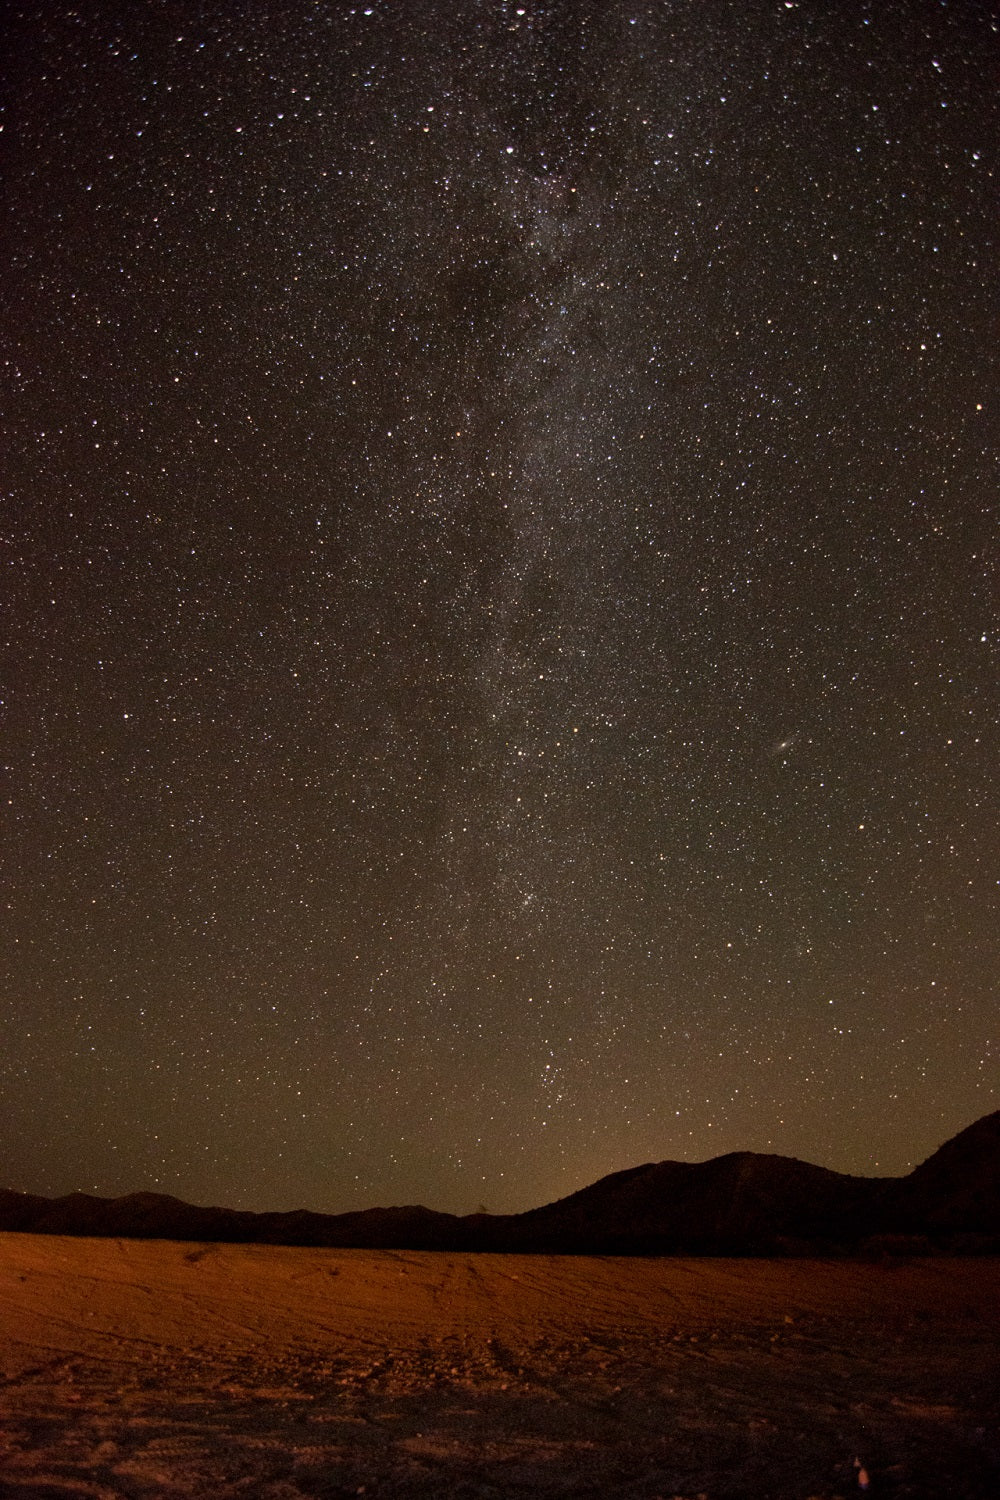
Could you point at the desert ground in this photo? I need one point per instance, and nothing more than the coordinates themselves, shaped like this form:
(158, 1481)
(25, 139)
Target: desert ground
(151, 1368)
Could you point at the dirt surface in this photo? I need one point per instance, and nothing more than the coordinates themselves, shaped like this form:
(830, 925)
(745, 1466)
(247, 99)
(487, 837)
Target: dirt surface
(143, 1368)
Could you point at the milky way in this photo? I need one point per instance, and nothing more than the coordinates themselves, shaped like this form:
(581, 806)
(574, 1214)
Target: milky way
(499, 539)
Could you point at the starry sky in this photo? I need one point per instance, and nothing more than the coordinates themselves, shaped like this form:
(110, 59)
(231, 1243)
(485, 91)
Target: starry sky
(499, 592)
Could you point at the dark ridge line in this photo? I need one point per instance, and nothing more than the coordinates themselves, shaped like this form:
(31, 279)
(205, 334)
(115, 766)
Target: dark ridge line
(743, 1203)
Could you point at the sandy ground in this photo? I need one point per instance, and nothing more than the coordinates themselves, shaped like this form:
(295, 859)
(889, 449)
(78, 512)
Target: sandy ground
(158, 1369)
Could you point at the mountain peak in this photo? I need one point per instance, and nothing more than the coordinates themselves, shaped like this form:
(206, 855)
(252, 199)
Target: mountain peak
(741, 1203)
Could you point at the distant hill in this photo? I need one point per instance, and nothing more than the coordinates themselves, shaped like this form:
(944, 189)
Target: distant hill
(740, 1203)
(744, 1203)
(957, 1190)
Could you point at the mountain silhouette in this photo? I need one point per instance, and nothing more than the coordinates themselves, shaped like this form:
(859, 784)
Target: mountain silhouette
(740, 1202)
(957, 1190)
(744, 1203)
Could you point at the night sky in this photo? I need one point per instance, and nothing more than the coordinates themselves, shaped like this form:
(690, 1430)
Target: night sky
(499, 592)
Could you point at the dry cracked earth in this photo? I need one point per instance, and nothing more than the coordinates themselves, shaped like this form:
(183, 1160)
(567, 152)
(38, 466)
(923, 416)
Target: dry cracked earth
(149, 1369)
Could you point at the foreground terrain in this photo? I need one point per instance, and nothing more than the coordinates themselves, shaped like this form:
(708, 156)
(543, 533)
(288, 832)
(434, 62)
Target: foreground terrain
(153, 1368)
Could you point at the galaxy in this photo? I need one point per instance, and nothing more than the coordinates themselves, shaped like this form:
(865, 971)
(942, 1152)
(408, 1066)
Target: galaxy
(498, 509)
